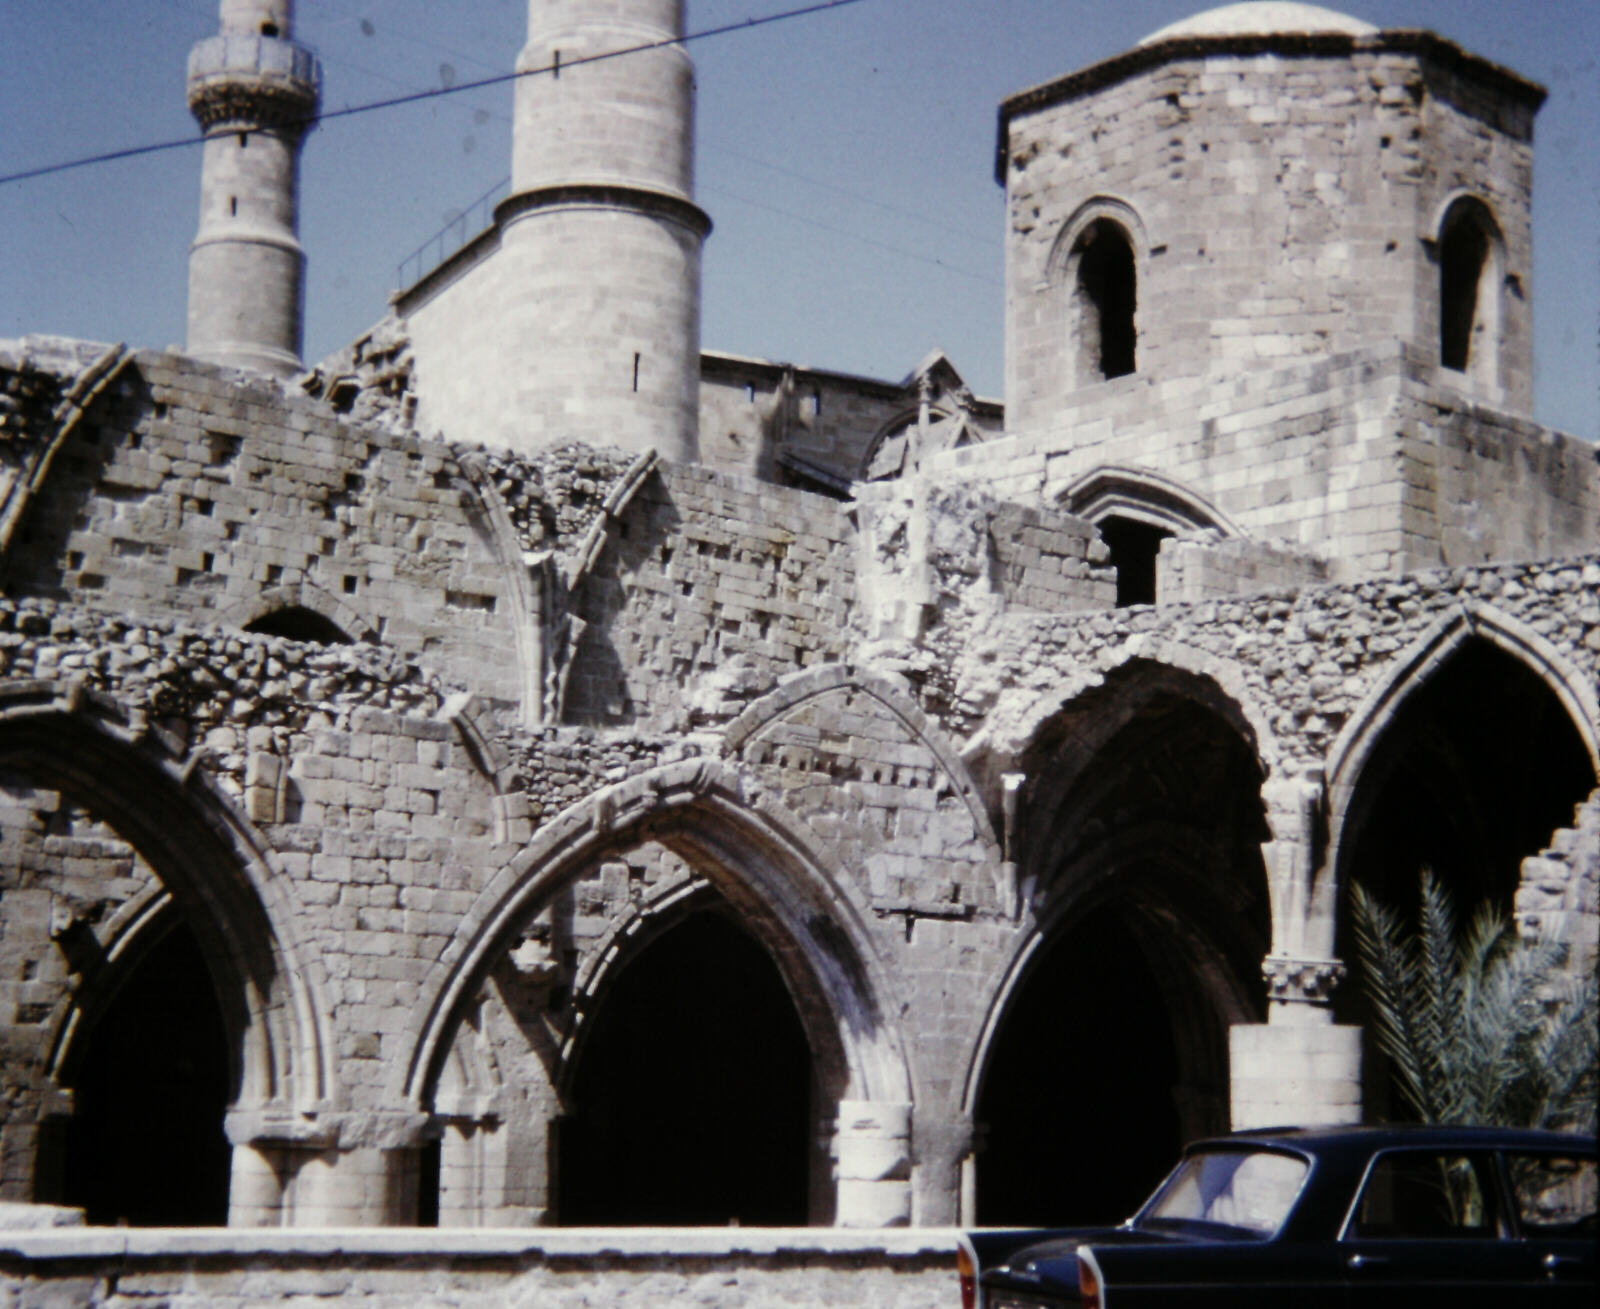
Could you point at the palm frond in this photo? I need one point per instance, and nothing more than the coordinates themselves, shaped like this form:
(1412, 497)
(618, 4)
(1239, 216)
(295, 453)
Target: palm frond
(1482, 1026)
(1391, 969)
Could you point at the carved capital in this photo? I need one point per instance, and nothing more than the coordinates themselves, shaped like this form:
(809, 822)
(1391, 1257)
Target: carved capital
(1301, 981)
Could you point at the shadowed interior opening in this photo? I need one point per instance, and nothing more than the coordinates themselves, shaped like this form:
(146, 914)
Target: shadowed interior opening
(145, 1146)
(1077, 1114)
(1134, 547)
(297, 623)
(692, 1100)
(1477, 771)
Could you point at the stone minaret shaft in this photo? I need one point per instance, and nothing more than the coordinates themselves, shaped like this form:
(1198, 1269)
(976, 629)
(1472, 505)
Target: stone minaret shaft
(601, 232)
(255, 94)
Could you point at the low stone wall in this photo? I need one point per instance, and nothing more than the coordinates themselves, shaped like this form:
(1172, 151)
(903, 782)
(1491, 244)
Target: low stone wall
(119, 1268)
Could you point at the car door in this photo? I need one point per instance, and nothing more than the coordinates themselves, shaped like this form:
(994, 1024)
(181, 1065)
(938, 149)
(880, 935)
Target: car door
(1553, 1202)
(1428, 1227)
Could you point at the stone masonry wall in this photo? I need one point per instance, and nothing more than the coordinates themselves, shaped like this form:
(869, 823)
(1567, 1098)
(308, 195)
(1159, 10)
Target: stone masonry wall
(1279, 207)
(193, 494)
(1331, 456)
(708, 577)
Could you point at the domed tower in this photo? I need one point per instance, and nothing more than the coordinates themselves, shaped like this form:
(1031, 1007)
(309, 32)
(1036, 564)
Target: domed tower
(255, 94)
(1260, 185)
(600, 237)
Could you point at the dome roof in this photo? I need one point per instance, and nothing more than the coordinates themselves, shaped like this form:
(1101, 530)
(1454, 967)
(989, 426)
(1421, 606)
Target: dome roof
(1264, 18)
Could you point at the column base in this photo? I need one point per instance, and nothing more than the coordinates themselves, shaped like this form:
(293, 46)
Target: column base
(1294, 1076)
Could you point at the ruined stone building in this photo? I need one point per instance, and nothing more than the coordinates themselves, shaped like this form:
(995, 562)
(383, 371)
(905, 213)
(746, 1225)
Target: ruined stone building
(529, 769)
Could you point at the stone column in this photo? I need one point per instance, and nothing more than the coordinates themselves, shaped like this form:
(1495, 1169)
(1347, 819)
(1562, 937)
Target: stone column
(872, 1149)
(1298, 1069)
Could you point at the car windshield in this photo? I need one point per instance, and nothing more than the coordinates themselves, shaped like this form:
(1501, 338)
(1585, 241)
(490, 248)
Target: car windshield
(1246, 1192)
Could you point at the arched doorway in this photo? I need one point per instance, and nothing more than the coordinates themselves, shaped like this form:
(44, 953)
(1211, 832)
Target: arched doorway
(136, 878)
(1475, 772)
(145, 1146)
(691, 1100)
(1140, 830)
(1084, 1053)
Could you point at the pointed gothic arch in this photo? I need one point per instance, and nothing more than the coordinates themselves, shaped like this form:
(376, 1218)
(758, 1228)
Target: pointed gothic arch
(1464, 760)
(1139, 841)
(215, 877)
(1413, 669)
(791, 896)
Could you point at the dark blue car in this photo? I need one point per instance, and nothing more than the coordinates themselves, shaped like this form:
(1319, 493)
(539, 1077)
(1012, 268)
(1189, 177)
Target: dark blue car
(1313, 1217)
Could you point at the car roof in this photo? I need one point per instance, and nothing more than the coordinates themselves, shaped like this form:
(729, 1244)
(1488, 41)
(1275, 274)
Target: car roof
(1349, 1138)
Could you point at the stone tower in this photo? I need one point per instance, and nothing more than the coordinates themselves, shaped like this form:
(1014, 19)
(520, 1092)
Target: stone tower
(601, 238)
(1260, 185)
(255, 94)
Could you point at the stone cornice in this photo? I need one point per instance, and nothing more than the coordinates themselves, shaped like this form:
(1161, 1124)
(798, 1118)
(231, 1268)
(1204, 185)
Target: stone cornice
(1125, 65)
(607, 195)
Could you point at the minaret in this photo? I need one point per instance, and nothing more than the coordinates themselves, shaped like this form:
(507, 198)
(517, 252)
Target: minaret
(601, 236)
(255, 94)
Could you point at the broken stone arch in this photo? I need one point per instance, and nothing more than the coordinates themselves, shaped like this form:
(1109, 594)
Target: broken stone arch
(213, 870)
(1187, 993)
(1154, 664)
(1088, 893)
(792, 896)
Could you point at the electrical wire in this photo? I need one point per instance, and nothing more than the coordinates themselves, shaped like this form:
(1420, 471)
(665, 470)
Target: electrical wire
(350, 111)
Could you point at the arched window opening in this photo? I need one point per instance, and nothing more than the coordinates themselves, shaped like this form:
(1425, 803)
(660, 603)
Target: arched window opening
(1134, 547)
(1476, 772)
(1463, 254)
(1107, 298)
(145, 1146)
(691, 1104)
(297, 623)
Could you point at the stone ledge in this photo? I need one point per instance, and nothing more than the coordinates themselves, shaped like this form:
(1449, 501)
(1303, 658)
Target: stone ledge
(416, 1244)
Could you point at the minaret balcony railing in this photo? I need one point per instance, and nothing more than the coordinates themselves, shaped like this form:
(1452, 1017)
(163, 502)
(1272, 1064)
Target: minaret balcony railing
(243, 75)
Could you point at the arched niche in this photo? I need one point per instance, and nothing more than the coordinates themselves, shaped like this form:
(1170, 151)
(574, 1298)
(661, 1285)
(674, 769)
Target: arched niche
(788, 897)
(302, 611)
(207, 879)
(1139, 834)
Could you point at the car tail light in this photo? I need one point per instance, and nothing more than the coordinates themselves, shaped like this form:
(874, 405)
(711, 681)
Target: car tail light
(969, 1277)
(1091, 1286)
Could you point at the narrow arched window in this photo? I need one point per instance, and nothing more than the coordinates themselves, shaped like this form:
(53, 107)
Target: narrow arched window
(1469, 286)
(1106, 294)
(1462, 255)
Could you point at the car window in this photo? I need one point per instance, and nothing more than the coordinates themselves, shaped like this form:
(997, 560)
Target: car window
(1555, 1194)
(1250, 1190)
(1424, 1194)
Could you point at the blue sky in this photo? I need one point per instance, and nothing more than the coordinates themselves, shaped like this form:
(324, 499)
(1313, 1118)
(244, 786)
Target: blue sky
(846, 158)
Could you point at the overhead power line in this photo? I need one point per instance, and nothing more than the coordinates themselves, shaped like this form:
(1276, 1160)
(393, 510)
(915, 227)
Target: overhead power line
(350, 111)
